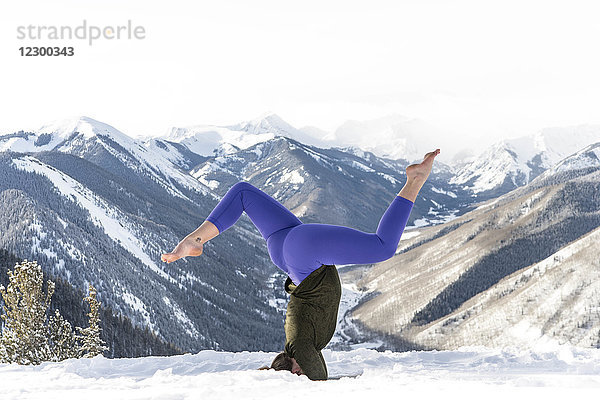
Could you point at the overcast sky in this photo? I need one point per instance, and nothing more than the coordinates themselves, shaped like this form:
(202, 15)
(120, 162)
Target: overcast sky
(480, 70)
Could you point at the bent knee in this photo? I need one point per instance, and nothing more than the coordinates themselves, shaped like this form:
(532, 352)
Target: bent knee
(242, 186)
(388, 251)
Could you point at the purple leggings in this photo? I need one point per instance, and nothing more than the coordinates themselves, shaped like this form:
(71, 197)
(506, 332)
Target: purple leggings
(299, 249)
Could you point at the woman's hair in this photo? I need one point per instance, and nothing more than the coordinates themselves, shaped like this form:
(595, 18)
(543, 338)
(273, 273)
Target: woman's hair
(281, 362)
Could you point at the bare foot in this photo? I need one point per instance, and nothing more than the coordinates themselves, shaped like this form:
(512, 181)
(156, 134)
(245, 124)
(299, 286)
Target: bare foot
(187, 247)
(421, 171)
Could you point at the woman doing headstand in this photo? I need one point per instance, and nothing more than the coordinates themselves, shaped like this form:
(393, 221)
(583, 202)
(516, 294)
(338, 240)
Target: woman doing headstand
(308, 254)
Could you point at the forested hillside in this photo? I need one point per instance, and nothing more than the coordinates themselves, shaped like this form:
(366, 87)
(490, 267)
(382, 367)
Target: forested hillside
(524, 260)
(123, 338)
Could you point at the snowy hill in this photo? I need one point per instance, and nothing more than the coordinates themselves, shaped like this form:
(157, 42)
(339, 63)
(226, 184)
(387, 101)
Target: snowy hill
(518, 270)
(515, 162)
(466, 373)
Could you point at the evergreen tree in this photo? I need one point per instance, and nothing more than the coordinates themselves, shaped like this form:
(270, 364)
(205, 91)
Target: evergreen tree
(7, 347)
(3, 353)
(91, 343)
(62, 338)
(25, 335)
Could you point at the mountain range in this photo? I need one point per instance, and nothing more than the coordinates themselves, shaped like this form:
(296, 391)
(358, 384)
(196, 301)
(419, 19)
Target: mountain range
(512, 163)
(94, 205)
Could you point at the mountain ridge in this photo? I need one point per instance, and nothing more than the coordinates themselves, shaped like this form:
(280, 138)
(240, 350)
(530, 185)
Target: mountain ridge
(512, 163)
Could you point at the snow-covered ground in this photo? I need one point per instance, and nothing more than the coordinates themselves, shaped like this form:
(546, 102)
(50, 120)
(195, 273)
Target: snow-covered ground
(469, 373)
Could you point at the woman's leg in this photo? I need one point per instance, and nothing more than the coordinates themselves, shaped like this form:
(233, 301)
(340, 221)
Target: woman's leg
(313, 244)
(267, 214)
(310, 245)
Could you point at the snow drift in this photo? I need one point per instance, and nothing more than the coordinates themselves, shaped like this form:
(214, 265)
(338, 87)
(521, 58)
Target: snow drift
(465, 373)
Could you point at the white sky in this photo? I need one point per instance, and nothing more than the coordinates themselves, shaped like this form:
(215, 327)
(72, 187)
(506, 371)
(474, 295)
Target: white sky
(480, 69)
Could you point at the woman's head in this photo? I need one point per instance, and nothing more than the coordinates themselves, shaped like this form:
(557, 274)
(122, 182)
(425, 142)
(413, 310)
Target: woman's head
(283, 362)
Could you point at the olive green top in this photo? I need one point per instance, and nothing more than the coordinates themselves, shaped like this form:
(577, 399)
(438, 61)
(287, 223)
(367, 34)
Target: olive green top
(311, 319)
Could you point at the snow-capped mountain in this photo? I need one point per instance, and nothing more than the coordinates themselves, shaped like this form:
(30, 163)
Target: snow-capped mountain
(208, 140)
(91, 139)
(588, 157)
(320, 184)
(272, 123)
(62, 135)
(394, 137)
(310, 180)
(98, 207)
(515, 162)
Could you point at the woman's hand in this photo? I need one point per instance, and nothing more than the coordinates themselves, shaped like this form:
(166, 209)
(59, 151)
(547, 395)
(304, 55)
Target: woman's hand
(188, 247)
